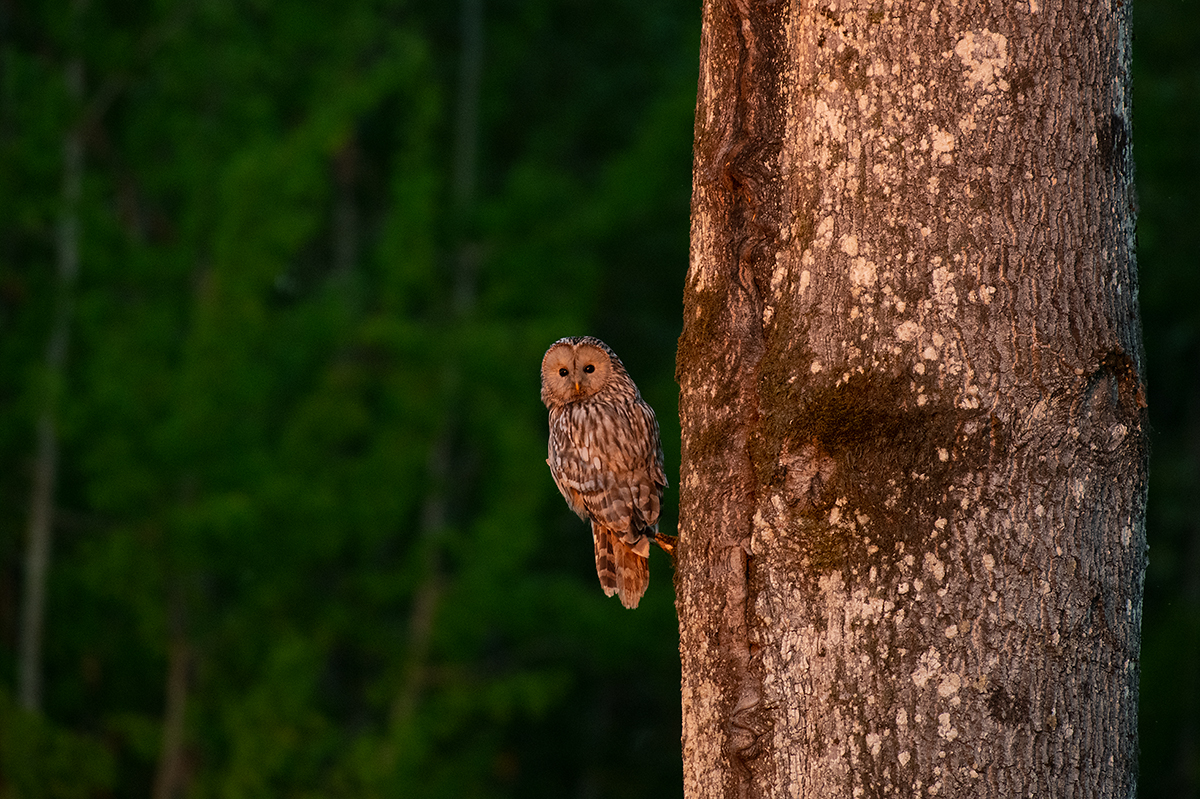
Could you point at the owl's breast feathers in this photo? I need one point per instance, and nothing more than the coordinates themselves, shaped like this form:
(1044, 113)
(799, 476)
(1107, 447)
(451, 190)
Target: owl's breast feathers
(607, 463)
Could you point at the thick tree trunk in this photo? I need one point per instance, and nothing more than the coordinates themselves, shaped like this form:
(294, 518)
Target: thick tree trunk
(914, 464)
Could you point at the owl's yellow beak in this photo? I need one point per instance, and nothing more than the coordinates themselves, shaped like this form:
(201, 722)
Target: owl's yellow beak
(576, 386)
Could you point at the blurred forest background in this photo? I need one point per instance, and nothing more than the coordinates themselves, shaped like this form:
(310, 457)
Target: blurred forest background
(275, 282)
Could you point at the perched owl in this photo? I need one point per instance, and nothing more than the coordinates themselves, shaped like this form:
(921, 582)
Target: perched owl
(606, 458)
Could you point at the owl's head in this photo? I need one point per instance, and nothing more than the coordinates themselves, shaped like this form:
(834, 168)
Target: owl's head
(576, 369)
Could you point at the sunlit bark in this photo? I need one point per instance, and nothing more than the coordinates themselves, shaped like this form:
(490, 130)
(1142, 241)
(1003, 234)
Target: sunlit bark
(914, 467)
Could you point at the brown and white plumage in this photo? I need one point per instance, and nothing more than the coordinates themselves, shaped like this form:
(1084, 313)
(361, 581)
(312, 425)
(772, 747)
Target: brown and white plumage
(606, 458)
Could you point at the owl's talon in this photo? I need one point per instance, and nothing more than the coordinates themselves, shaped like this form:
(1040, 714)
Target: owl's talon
(666, 543)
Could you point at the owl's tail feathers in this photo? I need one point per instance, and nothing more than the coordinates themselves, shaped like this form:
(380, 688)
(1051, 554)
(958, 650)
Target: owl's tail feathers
(606, 561)
(633, 573)
(622, 564)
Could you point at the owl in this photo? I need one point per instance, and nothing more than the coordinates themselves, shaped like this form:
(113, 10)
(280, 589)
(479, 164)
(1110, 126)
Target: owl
(606, 459)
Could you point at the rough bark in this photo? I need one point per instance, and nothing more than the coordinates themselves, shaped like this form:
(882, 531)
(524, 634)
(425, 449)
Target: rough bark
(914, 456)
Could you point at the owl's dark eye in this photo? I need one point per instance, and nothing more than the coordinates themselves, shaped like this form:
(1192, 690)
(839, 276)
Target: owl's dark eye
(563, 372)
(589, 368)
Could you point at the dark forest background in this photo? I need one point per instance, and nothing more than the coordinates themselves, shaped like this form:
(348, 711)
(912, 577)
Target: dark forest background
(302, 512)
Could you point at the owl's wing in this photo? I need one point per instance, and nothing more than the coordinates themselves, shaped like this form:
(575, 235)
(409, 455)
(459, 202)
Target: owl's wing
(648, 479)
(636, 463)
(643, 417)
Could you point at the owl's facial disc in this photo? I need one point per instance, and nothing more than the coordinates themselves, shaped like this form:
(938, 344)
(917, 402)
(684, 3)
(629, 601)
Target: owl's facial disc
(574, 373)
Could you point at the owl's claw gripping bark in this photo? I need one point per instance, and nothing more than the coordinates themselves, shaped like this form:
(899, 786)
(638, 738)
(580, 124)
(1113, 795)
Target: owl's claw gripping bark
(666, 543)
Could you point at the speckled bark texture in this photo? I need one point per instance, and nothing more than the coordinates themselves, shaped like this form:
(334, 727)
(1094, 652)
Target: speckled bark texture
(914, 466)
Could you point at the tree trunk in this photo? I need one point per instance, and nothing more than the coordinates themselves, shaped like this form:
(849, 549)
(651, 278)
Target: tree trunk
(444, 462)
(346, 227)
(914, 455)
(45, 469)
(170, 776)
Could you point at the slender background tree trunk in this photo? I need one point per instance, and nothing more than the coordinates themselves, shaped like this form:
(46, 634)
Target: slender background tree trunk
(170, 776)
(913, 483)
(444, 462)
(45, 469)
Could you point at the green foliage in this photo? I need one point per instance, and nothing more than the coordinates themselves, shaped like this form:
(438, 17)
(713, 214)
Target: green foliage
(40, 759)
(1166, 118)
(301, 435)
